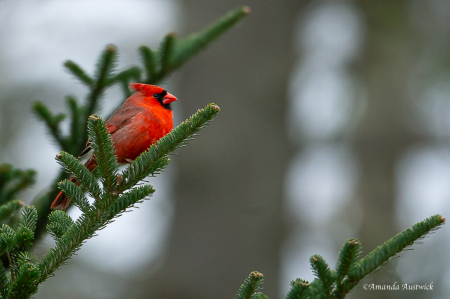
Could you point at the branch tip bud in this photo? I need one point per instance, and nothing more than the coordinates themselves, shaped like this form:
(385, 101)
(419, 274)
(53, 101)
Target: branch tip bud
(246, 9)
(111, 48)
(119, 179)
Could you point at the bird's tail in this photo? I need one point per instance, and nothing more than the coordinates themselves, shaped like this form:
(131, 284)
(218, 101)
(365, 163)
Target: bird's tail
(61, 201)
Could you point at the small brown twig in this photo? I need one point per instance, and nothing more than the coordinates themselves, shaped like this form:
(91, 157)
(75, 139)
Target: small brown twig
(10, 266)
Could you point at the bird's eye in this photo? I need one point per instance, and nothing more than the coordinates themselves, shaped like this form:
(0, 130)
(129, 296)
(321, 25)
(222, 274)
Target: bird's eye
(156, 95)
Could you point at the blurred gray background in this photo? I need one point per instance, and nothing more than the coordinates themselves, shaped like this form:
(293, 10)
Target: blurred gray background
(334, 124)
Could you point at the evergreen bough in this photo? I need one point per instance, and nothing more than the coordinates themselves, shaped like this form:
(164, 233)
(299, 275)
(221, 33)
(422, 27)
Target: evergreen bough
(350, 269)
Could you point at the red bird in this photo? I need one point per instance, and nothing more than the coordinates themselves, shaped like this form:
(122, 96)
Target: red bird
(141, 121)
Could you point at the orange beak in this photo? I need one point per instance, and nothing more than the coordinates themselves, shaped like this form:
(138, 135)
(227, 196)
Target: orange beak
(169, 98)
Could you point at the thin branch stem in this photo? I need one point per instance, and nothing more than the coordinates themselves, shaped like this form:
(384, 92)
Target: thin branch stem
(10, 266)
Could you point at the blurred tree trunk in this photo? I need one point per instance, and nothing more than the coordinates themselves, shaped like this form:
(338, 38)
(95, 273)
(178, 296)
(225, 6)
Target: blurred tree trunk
(229, 191)
(382, 136)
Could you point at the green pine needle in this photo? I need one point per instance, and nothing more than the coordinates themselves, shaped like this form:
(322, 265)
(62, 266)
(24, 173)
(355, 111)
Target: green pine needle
(9, 208)
(7, 239)
(198, 41)
(299, 289)
(148, 58)
(59, 223)
(127, 200)
(125, 77)
(251, 287)
(4, 281)
(29, 218)
(13, 181)
(75, 193)
(25, 232)
(389, 249)
(174, 54)
(52, 122)
(26, 282)
(75, 136)
(348, 257)
(261, 296)
(322, 271)
(105, 66)
(167, 52)
(26, 257)
(78, 72)
(81, 173)
(83, 229)
(103, 147)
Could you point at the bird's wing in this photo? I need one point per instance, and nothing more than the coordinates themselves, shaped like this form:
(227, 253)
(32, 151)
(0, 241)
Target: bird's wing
(117, 121)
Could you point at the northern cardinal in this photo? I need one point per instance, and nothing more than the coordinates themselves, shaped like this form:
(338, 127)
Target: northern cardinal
(141, 121)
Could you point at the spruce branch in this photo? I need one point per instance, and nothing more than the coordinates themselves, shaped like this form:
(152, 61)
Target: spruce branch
(78, 72)
(80, 172)
(76, 195)
(125, 77)
(389, 249)
(7, 238)
(148, 58)
(349, 270)
(11, 266)
(299, 289)
(348, 257)
(252, 286)
(174, 54)
(52, 122)
(322, 271)
(167, 52)
(104, 152)
(13, 181)
(59, 223)
(43, 202)
(195, 42)
(105, 66)
(25, 232)
(127, 200)
(26, 282)
(9, 208)
(4, 281)
(76, 113)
